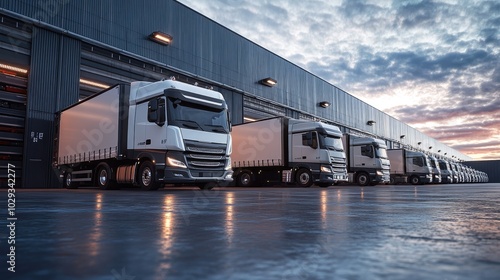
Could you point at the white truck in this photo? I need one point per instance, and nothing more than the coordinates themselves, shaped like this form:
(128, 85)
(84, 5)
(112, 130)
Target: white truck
(145, 134)
(284, 150)
(367, 161)
(408, 165)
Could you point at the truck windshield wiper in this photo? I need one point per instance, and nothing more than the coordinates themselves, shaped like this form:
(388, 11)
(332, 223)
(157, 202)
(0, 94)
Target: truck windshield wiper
(190, 124)
(217, 128)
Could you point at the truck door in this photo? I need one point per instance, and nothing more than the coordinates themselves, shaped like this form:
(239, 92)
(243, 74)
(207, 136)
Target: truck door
(150, 124)
(305, 147)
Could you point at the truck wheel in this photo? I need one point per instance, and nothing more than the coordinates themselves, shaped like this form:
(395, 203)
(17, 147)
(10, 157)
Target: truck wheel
(146, 177)
(244, 179)
(414, 180)
(363, 179)
(304, 178)
(103, 177)
(68, 180)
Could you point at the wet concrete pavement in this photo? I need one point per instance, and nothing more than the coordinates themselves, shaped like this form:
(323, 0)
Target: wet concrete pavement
(343, 232)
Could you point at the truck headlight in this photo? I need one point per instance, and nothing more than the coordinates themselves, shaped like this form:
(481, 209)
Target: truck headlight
(326, 169)
(176, 163)
(380, 173)
(228, 164)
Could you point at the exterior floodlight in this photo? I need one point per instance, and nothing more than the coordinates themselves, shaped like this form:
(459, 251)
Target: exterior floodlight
(402, 136)
(419, 143)
(370, 122)
(439, 151)
(430, 147)
(324, 104)
(161, 38)
(270, 82)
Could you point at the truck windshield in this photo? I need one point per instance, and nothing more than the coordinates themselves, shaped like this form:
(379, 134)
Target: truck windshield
(381, 152)
(331, 142)
(195, 116)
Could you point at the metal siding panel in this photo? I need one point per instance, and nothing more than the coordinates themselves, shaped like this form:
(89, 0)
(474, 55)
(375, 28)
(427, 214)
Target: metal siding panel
(491, 167)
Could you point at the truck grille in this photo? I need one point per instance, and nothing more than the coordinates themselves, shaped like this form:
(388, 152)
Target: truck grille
(338, 164)
(205, 158)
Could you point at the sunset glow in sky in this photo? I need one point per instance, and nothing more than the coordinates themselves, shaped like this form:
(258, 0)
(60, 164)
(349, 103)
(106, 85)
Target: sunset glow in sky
(432, 64)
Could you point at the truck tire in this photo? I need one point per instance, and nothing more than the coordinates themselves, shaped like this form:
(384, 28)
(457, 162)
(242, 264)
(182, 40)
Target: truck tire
(304, 178)
(244, 179)
(392, 181)
(146, 176)
(68, 180)
(414, 180)
(103, 178)
(363, 179)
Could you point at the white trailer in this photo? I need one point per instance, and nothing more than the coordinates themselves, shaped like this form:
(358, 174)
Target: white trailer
(283, 150)
(408, 165)
(145, 134)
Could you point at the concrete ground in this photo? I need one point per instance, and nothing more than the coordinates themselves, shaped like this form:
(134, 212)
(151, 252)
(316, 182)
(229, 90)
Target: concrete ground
(343, 232)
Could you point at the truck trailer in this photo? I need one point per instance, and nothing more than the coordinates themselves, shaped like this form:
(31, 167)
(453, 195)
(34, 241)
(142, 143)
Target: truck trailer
(408, 165)
(284, 150)
(367, 161)
(145, 134)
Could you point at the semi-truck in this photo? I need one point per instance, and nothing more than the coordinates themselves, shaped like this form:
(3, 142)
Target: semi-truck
(367, 161)
(448, 175)
(436, 170)
(146, 134)
(409, 166)
(284, 150)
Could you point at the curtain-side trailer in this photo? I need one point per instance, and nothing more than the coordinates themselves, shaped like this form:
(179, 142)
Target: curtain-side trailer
(146, 134)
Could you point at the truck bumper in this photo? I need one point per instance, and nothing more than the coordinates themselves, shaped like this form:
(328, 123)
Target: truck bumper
(381, 179)
(186, 176)
(329, 178)
(427, 179)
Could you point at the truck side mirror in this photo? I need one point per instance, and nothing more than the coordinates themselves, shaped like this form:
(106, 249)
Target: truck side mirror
(153, 110)
(313, 140)
(156, 111)
(161, 112)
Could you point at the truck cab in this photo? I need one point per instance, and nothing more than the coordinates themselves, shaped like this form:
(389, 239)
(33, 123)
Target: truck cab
(319, 143)
(446, 172)
(368, 163)
(418, 168)
(436, 171)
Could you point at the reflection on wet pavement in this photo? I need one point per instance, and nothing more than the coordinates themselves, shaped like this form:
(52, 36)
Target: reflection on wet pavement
(346, 232)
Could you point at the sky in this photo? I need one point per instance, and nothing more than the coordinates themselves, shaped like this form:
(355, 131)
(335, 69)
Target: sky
(434, 65)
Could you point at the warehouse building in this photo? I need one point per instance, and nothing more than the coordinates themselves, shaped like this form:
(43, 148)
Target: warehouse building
(57, 52)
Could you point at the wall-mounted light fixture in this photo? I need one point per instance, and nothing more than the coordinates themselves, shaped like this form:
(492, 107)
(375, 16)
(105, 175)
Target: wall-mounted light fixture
(160, 37)
(370, 122)
(445, 153)
(94, 84)
(270, 82)
(324, 104)
(419, 143)
(402, 136)
(430, 147)
(439, 151)
(13, 68)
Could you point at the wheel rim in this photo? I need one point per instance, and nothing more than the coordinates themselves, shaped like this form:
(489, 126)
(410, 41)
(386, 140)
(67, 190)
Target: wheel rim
(415, 180)
(68, 179)
(146, 176)
(103, 177)
(362, 180)
(245, 179)
(304, 178)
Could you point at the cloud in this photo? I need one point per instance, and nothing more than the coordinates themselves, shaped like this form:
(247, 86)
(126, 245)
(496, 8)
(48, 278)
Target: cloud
(427, 63)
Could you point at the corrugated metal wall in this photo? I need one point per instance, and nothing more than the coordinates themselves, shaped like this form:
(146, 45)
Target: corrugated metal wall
(491, 167)
(205, 48)
(52, 85)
